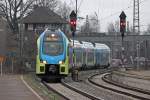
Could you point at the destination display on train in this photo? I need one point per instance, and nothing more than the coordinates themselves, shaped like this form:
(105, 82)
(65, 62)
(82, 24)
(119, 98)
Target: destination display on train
(52, 37)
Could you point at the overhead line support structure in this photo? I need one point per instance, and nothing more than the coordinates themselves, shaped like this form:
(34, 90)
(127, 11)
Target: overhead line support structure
(136, 17)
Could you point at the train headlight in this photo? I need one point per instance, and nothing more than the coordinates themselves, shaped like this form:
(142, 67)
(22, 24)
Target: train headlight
(60, 62)
(44, 62)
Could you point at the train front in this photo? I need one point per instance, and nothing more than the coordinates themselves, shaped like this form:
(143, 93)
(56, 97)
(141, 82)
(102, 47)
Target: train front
(52, 58)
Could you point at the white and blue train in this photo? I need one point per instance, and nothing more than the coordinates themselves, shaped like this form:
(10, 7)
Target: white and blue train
(52, 55)
(55, 55)
(89, 55)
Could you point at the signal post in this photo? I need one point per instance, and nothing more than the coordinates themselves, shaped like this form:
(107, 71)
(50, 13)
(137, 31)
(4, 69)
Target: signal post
(73, 20)
(122, 31)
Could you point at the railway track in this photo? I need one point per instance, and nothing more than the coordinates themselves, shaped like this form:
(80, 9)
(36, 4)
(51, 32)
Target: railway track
(118, 88)
(69, 93)
(86, 94)
(90, 89)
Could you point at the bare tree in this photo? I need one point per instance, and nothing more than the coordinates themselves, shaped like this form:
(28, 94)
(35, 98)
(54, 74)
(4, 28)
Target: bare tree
(85, 27)
(94, 23)
(51, 4)
(130, 29)
(63, 10)
(148, 29)
(113, 28)
(13, 11)
(91, 24)
(117, 26)
(147, 32)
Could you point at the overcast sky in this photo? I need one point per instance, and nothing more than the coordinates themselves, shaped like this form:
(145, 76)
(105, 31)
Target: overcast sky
(109, 10)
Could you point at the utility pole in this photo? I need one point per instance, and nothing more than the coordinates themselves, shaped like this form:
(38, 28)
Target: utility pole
(136, 18)
(87, 25)
(136, 25)
(76, 7)
(20, 40)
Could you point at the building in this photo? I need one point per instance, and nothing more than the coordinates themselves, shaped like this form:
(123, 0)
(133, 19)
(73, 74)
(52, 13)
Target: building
(41, 18)
(7, 45)
(33, 25)
(3, 35)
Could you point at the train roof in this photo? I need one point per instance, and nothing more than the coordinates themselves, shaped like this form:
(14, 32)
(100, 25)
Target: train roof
(101, 46)
(54, 31)
(76, 43)
(87, 44)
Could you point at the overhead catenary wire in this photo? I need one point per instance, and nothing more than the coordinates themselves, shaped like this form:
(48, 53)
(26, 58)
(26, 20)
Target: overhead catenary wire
(80, 4)
(113, 14)
(72, 3)
(104, 18)
(144, 25)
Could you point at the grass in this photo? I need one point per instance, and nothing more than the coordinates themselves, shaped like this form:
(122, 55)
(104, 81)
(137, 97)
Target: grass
(40, 88)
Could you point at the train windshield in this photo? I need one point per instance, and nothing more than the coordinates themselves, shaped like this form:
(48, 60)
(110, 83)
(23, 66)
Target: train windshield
(53, 44)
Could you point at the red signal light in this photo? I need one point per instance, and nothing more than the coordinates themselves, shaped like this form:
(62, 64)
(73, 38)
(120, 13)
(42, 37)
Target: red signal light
(122, 26)
(122, 23)
(73, 24)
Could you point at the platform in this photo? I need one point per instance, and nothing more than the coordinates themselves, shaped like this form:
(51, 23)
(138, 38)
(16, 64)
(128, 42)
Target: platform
(12, 87)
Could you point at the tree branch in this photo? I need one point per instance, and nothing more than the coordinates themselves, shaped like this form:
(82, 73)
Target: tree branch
(26, 6)
(20, 2)
(10, 9)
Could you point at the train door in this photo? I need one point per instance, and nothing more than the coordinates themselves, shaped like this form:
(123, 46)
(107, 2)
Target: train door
(78, 57)
(100, 57)
(94, 57)
(104, 58)
(107, 57)
(75, 61)
(84, 58)
(97, 58)
(90, 57)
